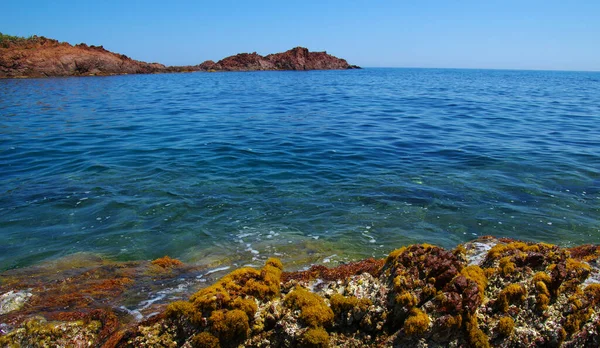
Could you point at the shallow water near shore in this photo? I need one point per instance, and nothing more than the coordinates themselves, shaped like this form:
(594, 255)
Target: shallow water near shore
(311, 167)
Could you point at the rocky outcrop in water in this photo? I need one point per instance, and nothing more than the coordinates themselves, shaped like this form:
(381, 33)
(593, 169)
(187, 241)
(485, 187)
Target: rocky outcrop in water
(489, 292)
(298, 58)
(43, 57)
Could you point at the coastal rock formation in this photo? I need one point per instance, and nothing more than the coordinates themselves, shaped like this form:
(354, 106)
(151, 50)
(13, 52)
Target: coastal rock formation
(43, 57)
(298, 58)
(489, 292)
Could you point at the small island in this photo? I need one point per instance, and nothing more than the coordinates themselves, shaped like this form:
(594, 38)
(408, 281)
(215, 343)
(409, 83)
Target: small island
(298, 58)
(38, 56)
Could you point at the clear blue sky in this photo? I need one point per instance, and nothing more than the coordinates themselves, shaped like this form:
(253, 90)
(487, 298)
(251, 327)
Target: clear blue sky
(508, 34)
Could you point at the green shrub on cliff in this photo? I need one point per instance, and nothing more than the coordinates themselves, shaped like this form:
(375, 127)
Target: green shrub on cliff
(6, 40)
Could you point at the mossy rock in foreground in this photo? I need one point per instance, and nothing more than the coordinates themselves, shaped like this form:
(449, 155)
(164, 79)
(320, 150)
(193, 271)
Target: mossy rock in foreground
(488, 292)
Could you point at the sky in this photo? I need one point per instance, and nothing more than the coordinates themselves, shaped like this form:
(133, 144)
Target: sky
(508, 34)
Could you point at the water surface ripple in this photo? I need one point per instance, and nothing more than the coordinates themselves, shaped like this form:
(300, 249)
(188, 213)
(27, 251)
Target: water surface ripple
(320, 164)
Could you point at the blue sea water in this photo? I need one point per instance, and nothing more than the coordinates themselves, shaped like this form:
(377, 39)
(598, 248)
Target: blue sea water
(309, 166)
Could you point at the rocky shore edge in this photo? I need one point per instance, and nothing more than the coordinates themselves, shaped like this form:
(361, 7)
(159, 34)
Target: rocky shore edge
(487, 292)
(38, 56)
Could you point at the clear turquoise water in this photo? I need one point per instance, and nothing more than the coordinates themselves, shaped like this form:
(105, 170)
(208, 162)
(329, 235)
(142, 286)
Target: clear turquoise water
(320, 165)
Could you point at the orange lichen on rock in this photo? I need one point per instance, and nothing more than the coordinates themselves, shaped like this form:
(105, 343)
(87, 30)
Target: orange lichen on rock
(505, 326)
(415, 267)
(205, 340)
(315, 338)
(421, 294)
(167, 262)
(592, 293)
(227, 307)
(241, 283)
(394, 254)
(341, 303)
(314, 312)
(526, 253)
(184, 311)
(475, 336)
(416, 323)
(507, 267)
(541, 280)
(406, 300)
(229, 325)
(577, 269)
(583, 302)
(476, 274)
(513, 293)
(585, 252)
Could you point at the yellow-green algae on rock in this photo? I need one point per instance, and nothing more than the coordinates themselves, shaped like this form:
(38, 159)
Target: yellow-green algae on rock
(488, 292)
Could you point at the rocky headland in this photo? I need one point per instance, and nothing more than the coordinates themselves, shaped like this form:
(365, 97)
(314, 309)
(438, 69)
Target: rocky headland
(43, 57)
(488, 292)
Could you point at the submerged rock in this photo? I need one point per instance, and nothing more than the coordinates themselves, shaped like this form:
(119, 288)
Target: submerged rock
(13, 300)
(488, 292)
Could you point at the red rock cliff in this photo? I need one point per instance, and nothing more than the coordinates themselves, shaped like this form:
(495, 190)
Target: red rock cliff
(42, 57)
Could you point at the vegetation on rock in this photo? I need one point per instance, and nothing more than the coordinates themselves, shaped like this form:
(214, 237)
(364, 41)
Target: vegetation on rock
(515, 294)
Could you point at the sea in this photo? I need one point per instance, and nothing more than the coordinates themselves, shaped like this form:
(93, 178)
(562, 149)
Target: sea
(312, 167)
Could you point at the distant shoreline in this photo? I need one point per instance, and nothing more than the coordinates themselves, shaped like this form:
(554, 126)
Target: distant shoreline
(39, 57)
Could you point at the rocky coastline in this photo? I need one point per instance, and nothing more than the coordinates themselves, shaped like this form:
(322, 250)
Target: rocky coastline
(38, 56)
(485, 293)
